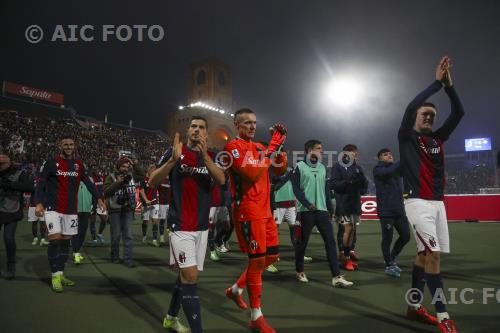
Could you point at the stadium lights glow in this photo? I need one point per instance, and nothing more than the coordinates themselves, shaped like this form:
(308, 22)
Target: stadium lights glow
(343, 91)
(205, 106)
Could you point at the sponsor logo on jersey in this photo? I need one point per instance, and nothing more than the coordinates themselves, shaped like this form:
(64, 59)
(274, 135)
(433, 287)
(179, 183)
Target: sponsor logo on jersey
(435, 150)
(193, 170)
(422, 144)
(252, 161)
(428, 150)
(67, 173)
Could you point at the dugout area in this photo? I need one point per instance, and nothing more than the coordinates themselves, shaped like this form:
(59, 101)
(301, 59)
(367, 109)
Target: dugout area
(113, 298)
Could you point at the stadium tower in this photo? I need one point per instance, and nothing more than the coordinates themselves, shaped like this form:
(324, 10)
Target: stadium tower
(210, 96)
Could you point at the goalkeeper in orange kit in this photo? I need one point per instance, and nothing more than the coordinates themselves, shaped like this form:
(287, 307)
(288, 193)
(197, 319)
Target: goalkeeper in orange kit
(254, 224)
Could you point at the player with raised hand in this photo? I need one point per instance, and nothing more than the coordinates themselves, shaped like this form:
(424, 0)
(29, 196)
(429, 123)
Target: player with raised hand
(191, 171)
(253, 220)
(422, 162)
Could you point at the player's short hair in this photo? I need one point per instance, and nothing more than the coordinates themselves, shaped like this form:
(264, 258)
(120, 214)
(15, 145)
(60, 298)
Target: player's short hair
(199, 118)
(429, 104)
(66, 135)
(383, 151)
(242, 111)
(310, 145)
(350, 147)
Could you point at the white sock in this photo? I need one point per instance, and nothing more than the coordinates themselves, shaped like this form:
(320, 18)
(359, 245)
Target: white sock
(57, 273)
(236, 290)
(442, 316)
(255, 313)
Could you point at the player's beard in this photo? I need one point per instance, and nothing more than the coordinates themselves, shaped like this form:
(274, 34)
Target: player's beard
(68, 156)
(195, 137)
(192, 143)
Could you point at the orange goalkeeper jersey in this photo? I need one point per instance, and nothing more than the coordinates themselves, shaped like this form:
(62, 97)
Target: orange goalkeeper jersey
(250, 182)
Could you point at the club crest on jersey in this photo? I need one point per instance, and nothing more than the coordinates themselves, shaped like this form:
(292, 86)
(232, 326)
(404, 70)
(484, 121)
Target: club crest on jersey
(76, 166)
(51, 226)
(432, 242)
(182, 257)
(236, 153)
(254, 245)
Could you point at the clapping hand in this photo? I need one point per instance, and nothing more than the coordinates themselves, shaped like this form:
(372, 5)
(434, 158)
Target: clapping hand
(443, 71)
(176, 147)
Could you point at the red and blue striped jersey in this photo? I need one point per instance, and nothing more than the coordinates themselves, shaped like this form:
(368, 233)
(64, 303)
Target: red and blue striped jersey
(164, 192)
(98, 181)
(191, 191)
(149, 191)
(59, 182)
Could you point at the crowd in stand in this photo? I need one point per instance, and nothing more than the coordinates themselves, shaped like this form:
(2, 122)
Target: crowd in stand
(470, 180)
(32, 139)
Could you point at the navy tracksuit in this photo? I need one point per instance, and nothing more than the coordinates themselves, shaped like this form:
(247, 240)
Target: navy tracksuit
(390, 208)
(349, 183)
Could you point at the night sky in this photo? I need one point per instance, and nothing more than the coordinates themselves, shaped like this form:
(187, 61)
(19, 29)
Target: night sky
(282, 54)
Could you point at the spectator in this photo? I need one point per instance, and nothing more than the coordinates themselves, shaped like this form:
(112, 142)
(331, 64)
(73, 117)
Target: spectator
(13, 183)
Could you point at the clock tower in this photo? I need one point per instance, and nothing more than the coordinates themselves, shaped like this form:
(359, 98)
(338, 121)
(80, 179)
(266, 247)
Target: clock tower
(210, 96)
(210, 82)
